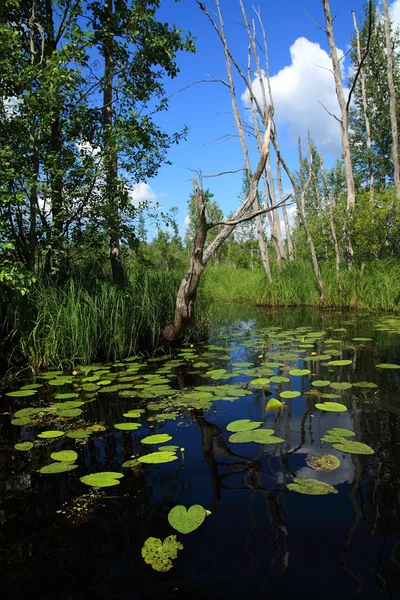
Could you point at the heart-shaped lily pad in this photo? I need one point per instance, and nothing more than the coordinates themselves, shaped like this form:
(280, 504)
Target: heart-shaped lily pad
(186, 521)
(102, 479)
(279, 379)
(299, 372)
(159, 438)
(24, 446)
(342, 386)
(385, 366)
(48, 435)
(64, 456)
(127, 426)
(159, 555)
(340, 363)
(350, 447)
(21, 393)
(57, 467)
(340, 431)
(320, 382)
(331, 407)
(273, 404)
(311, 487)
(289, 394)
(158, 457)
(324, 463)
(243, 425)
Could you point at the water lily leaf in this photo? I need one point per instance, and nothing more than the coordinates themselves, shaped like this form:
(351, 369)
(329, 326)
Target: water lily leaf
(97, 427)
(259, 382)
(169, 448)
(316, 357)
(68, 405)
(104, 382)
(273, 404)
(64, 456)
(48, 435)
(341, 432)
(289, 394)
(362, 339)
(242, 364)
(78, 434)
(273, 365)
(159, 438)
(320, 382)
(26, 412)
(57, 467)
(311, 487)
(299, 372)
(186, 521)
(331, 396)
(24, 446)
(102, 479)
(331, 407)
(128, 464)
(68, 396)
(162, 456)
(244, 437)
(365, 384)
(279, 379)
(350, 447)
(159, 555)
(341, 386)
(200, 364)
(243, 425)
(90, 387)
(72, 412)
(340, 363)
(388, 366)
(324, 463)
(262, 436)
(32, 386)
(59, 382)
(21, 393)
(110, 389)
(127, 426)
(132, 414)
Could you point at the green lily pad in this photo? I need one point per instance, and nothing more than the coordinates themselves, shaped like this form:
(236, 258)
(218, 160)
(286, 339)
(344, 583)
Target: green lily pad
(78, 434)
(365, 384)
(90, 387)
(311, 487)
(186, 521)
(279, 379)
(26, 412)
(273, 404)
(243, 425)
(244, 437)
(324, 463)
(132, 414)
(320, 382)
(32, 386)
(57, 467)
(362, 339)
(24, 446)
(341, 386)
(289, 394)
(59, 382)
(159, 438)
(159, 555)
(350, 447)
(171, 448)
(64, 456)
(72, 412)
(48, 435)
(331, 407)
(102, 479)
(341, 432)
(68, 396)
(259, 382)
(158, 457)
(21, 393)
(68, 405)
(127, 426)
(388, 366)
(340, 363)
(299, 372)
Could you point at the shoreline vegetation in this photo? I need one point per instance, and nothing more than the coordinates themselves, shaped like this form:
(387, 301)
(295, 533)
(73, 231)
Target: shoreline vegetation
(74, 323)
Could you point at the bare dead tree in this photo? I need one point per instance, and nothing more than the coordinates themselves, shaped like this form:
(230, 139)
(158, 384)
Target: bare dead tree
(344, 127)
(328, 201)
(284, 210)
(365, 107)
(392, 94)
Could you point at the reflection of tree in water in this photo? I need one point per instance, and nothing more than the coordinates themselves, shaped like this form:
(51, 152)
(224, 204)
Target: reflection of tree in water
(213, 443)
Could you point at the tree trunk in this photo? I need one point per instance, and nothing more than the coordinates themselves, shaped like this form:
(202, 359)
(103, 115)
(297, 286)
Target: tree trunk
(366, 117)
(344, 125)
(275, 214)
(392, 93)
(335, 241)
(110, 150)
(284, 210)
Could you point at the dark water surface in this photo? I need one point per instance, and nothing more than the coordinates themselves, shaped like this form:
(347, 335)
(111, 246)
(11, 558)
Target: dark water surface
(63, 539)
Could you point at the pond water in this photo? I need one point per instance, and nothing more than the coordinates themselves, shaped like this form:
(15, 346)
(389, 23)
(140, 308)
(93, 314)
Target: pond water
(268, 522)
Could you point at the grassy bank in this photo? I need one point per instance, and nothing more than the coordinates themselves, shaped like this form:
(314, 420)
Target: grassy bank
(374, 286)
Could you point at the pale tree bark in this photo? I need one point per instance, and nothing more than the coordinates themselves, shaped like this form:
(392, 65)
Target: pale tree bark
(110, 150)
(328, 203)
(284, 210)
(344, 127)
(365, 110)
(299, 197)
(392, 94)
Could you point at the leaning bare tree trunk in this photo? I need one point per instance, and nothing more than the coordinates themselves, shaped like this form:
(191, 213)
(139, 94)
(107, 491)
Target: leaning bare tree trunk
(344, 125)
(284, 210)
(366, 117)
(392, 92)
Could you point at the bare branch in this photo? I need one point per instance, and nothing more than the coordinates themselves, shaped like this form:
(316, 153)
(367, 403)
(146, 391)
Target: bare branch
(219, 174)
(361, 62)
(329, 113)
(315, 23)
(257, 213)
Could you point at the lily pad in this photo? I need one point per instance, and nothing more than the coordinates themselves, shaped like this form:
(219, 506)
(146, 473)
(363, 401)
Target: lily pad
(57, 467)
(299, 372)
(48, 435)
(159, 438)
(64, 456)
(388, 366)
(320, 382)
(158, 457)
(127, 426)
(325, 463)
(365, 384)
(128, 464)
(21, 421)
(21, 393)
(132, 414)
(311, 487)
(78, 434)
(24, 446)
(243, 425)
(279, 379)
(244, 437)
(344, 385)
(361, 339)
(273, 404)
(289, 394)
(340, 363)
(331, 407)
(186, 521)
(68, 396)
(341, 432)
(350, 447)
(159, 555)
(71, 412)
(102, 479)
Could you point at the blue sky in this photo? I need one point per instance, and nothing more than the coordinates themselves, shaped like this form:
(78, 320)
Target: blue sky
(297, 55)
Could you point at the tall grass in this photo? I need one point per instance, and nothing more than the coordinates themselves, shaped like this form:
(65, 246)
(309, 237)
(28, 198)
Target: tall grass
(73, 324)
(374, 285)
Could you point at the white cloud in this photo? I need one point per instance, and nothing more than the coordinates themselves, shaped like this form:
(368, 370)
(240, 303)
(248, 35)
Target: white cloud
(299, 88)
(142, 193)
(186, 222)
(394, 11)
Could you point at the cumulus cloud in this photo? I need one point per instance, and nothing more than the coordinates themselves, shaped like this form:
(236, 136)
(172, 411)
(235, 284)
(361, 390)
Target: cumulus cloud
(299, 88)
(186, 222)
(394, 10)
(142, 193)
